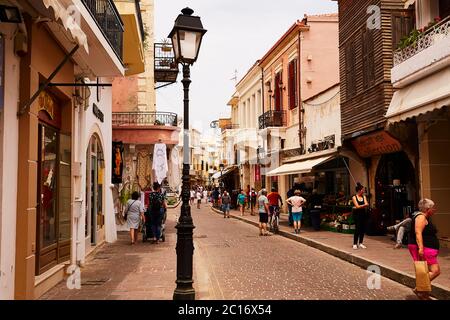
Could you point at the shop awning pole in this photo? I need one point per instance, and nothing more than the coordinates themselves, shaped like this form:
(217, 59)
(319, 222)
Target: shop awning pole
(343, 159)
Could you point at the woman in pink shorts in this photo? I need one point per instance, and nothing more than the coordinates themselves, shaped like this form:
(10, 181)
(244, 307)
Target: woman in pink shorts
(423, 243)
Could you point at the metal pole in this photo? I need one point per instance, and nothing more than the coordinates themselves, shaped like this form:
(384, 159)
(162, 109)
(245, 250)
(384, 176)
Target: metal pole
(185, 226)
(46, 83)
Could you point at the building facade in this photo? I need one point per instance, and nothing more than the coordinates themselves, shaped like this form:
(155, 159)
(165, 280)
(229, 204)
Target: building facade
(421, 105)
(54, 53)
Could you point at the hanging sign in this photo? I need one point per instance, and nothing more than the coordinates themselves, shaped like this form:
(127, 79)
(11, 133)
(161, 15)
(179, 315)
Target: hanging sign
(46, 103)
(98, 113)
(376, 144)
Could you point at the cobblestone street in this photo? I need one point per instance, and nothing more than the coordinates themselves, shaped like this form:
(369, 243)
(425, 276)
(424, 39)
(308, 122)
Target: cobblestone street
(231, 262)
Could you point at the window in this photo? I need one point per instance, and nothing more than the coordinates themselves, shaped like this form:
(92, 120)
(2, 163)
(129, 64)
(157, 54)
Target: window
(292, 83)
(368, 58)
(350, 70)
(402, 25)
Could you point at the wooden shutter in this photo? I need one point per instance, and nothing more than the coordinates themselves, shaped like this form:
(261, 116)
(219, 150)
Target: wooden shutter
(368, 58)
(278, 89)
(350, 70)
(402, 24)
(292, 83)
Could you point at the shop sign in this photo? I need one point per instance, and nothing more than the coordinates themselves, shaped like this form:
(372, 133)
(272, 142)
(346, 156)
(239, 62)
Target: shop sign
(376, 144)
(98, 113)
(257, 173)
(46, 103)
(117, 162)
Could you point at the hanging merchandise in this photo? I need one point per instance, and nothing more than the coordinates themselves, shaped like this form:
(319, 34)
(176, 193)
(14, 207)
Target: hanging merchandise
(144, 170)
(160, 165)
(117, 163)
(174, 173)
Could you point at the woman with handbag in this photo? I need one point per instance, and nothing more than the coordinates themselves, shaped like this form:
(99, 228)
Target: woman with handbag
(134, 214)
(360, 216)
(423, 243)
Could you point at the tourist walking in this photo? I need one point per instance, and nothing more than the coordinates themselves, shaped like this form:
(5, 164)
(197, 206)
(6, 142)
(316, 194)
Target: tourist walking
(241, 199)
(360, 216)
(192, 198)
(226, 201)
(423, 243)
(199, 198)
(134, 214)
(297, 209)
(205, 195)
(253, 198)
(156, 206)
(263, 208)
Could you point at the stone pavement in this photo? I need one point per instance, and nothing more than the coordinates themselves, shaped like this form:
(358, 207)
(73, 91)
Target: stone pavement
(395, 264)
(119, 271)
(230, 262)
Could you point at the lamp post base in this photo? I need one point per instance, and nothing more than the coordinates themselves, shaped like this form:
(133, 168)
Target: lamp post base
(184, 292)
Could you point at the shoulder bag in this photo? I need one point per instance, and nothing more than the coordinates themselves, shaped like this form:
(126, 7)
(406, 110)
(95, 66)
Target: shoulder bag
(125, 216)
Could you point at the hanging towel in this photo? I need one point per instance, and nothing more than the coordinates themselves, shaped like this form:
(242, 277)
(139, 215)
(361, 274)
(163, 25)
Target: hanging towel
(160, 165)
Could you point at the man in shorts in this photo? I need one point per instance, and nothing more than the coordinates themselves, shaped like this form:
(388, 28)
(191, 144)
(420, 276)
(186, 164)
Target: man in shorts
(263, 208)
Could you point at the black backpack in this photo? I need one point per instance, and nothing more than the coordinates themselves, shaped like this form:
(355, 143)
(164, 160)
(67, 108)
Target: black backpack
(155, 202)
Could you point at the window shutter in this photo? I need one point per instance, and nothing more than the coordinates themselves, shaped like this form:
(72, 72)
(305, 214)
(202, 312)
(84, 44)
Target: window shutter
(350, 70)
(278, 89)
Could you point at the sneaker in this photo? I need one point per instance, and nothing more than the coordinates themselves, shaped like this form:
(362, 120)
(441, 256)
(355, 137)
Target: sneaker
(362, 246)
(355, 247)
(398, 246)
(391, 229)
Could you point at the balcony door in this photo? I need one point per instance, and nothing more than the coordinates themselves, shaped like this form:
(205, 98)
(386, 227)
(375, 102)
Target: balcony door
(444, 8)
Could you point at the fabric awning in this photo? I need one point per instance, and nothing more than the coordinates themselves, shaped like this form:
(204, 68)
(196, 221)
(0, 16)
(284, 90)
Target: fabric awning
(68, 20)
(220, 174)
(420, 97)
(304, 166)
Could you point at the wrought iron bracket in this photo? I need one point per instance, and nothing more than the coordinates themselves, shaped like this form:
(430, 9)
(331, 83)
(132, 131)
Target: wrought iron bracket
(47, 82)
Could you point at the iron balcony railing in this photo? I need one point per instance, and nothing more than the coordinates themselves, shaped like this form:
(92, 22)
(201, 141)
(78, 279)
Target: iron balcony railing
(166, 69)
(108, 20)
(272, 118)
(425, 40)
(144, 119)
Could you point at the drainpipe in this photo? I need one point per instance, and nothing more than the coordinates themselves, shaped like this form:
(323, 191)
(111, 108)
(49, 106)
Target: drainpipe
(299, 95)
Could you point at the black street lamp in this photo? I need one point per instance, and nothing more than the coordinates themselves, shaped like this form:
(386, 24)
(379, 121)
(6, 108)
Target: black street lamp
(221, 185)
(186, 36)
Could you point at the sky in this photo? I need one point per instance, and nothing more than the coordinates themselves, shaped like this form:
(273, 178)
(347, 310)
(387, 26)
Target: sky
(239, 33)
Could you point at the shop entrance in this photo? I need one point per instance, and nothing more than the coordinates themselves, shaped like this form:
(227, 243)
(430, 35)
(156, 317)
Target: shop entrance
(396, 191)
(94, 219)
(54, 198)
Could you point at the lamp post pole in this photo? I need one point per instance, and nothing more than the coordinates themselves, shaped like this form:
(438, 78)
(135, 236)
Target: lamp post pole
(185, 226)
(186, 36)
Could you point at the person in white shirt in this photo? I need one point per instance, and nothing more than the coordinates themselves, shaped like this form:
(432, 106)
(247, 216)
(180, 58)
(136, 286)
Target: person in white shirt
(205, 195)
(199, 198)
(192, 197)
(297, 211)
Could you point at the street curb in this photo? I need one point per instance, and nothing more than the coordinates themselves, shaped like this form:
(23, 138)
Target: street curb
(438, 291)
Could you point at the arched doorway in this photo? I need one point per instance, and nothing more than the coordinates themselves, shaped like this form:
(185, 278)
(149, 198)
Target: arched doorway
(396, 187)
(95, 189)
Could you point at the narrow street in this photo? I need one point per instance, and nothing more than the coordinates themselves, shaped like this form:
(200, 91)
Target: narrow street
(231, 262)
